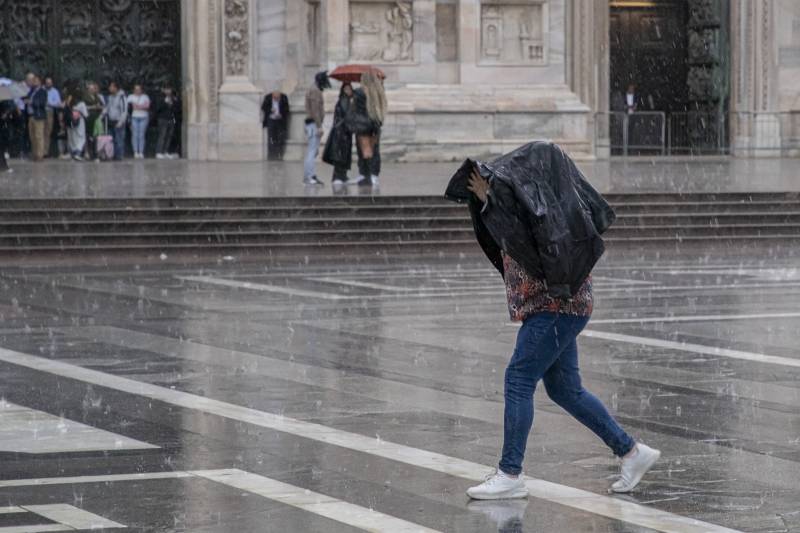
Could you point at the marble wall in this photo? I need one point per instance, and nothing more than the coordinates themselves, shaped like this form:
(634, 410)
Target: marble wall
(463, 76)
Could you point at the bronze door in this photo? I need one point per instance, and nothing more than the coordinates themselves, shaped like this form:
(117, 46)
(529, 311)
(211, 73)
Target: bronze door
(78, 40)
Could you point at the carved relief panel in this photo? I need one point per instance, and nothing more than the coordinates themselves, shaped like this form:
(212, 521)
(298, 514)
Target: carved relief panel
(382, 32)
(514, 32)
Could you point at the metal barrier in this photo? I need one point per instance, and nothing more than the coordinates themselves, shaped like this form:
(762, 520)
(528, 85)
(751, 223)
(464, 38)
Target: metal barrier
(771, 134)
(641, 132)
(697, 133)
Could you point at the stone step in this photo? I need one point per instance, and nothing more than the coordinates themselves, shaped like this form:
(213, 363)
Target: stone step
(356, 222)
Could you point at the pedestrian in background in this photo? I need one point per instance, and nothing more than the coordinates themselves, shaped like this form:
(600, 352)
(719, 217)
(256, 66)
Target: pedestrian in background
(315, 113)
(54, 106)
(116, 112)
(339, 146)
(95, 103)
(7, 111)
(139, 104)
(367, 120)
(167, 115)
(76, 115)
(37, 119)
(275, 112)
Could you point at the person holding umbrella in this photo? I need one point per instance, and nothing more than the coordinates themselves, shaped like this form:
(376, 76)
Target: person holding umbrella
(339, 147)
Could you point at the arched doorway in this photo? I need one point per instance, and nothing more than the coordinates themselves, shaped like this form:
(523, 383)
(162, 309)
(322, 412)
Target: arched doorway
(669, 76)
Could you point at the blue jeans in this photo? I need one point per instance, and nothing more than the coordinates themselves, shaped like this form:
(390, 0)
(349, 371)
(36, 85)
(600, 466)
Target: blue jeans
(138, 131)
(547, 350)
(310, 163)
(119, 142)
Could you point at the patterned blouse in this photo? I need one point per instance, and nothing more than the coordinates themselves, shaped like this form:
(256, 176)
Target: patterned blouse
(528, 295)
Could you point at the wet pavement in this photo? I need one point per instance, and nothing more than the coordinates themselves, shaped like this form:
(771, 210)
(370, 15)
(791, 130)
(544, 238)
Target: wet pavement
(148, 178)
(367, 396)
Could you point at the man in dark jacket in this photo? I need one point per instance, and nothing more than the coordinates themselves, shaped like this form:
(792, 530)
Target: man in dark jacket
(539, 222)
(167, 108)
(37, 119)
(275, 113)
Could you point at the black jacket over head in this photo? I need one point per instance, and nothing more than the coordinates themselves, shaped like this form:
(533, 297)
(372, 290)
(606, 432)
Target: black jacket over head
(542, 212)
(339, 146)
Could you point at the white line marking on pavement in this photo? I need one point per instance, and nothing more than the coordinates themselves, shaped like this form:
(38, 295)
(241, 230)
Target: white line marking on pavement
(561, 494)
(692, 318)
(26, 430)
(694, 348)
(312, 502)
(72, 517)
(278, 289)
(108, 478)
(263, 287)
(35, 529)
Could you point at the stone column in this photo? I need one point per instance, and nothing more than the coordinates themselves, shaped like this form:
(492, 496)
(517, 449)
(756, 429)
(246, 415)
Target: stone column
(200, 30)
(754, 120)
(335, 32)
(240, 132)
(588, 65)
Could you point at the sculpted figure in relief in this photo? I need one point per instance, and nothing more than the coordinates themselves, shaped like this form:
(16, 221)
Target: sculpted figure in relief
(401, 32)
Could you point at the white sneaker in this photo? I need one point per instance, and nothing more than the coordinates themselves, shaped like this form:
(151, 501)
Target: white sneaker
(499, 486)
(358, 180)
(374, 180)
(634, 467)
(160, 156)
(173, 156)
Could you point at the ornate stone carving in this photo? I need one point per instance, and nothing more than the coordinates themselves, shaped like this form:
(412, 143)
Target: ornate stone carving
(76, 40)
(382, 31)
(705, 84)
(513, 33)
(237, 37)
(704, 13)
(704, 46)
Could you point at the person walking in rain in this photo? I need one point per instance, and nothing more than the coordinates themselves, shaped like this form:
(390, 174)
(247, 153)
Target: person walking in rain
(339, 147)
(315, 113)
(532, 221)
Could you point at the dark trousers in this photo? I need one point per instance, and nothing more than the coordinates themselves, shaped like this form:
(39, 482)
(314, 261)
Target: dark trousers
(91, 140)
(21, 142)
(340, 173)
(166, 128)
(372, 166)
(276, 141)
(4, 130)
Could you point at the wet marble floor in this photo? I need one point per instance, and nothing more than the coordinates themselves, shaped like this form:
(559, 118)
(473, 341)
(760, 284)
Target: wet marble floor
(149, 178)
(244, 397)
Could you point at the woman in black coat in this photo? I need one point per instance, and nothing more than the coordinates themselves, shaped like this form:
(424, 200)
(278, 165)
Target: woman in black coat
(339, 147)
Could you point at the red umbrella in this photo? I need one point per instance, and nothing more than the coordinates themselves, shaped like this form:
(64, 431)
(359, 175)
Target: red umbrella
(352, 73)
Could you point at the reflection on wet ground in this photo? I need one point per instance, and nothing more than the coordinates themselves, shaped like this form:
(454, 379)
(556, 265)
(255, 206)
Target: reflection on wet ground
(239, 397)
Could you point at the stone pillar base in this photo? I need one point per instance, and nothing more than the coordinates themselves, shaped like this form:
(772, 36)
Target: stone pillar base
(240, 136)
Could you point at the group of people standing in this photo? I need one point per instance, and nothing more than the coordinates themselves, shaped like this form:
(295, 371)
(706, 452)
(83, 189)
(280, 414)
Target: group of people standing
(47, 122)
(359, 113)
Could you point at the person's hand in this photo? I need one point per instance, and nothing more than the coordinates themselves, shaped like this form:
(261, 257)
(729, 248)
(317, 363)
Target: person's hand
(320, 132)
(478, 186)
